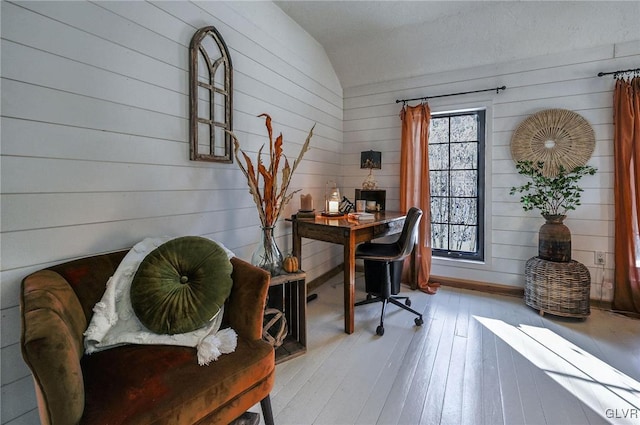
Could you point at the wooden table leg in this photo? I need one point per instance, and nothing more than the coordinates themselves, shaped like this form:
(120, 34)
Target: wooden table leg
(349, 281)
(297, 244)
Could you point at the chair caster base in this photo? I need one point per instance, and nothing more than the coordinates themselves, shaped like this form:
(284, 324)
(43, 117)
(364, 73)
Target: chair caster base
(407, 302)
(419, 321)
(380, 330)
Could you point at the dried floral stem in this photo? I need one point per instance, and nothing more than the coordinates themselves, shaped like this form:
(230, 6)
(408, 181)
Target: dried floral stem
(273, 197)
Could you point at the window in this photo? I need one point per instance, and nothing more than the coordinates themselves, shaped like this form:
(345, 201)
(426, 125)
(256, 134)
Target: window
(456, 171)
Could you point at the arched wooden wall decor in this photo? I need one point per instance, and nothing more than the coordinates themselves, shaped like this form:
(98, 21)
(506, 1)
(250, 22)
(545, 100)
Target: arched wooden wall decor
(210, 97)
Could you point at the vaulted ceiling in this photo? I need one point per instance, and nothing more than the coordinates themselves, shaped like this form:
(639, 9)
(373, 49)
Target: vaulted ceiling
(373, 41)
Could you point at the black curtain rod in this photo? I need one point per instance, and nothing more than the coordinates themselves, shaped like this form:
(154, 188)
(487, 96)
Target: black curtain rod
(626, 71)
(497, 89)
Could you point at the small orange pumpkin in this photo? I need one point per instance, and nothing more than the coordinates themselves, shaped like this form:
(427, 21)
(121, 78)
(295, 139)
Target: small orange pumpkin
(290, 263)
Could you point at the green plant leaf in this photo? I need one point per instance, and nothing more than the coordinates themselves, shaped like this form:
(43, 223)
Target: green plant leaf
(551, 195)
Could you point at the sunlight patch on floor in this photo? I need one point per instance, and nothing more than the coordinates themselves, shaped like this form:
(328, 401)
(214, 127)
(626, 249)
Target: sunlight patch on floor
(607, 391)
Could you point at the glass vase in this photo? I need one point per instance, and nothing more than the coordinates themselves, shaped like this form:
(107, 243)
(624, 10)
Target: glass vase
(267, 255)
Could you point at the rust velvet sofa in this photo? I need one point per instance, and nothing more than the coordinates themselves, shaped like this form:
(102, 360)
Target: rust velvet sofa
(139, 384)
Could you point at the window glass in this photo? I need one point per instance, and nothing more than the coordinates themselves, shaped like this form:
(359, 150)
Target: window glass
(456, 171)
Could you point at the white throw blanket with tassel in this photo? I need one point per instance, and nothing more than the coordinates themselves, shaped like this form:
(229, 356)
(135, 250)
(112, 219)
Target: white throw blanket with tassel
(114, 322)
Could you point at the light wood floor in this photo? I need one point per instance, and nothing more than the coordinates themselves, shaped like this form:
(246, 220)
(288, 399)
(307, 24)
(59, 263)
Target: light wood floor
(478, 359)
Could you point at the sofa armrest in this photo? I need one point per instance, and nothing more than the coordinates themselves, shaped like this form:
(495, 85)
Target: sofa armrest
(53, 323)
(245, 307)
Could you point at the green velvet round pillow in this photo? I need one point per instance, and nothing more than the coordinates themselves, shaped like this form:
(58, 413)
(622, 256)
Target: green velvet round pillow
(181, 285)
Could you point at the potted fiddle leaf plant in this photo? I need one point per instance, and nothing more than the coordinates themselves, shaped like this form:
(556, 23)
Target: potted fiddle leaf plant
(553, 196)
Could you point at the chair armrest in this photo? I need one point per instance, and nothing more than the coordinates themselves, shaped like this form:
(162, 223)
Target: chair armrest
(245, 307)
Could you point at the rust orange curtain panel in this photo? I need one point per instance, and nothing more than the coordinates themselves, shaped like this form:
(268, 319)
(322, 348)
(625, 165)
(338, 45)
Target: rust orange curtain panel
(414, 182)
(626, 154)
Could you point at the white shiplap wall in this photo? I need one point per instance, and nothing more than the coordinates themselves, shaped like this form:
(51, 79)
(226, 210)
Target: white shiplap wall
(371, 121)
(95, 152)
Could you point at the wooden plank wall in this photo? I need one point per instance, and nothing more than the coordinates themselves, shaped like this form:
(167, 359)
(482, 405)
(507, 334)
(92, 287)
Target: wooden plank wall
(371, 121)
(95, 152)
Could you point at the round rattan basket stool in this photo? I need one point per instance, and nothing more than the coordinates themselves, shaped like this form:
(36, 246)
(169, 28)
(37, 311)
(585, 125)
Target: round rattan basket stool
(561, 289)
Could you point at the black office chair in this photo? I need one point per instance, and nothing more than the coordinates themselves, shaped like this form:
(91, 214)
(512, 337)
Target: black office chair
(383, 268)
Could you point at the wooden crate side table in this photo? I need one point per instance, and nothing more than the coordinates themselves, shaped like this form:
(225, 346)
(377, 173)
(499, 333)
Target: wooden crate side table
(561, 289)
(288, 293)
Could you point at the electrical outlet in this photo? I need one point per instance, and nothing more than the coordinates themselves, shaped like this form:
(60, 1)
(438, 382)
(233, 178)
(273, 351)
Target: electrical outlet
(599, 258)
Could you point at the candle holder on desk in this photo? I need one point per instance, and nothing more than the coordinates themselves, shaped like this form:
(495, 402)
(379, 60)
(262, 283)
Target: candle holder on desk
(306, 210)
(332, 200)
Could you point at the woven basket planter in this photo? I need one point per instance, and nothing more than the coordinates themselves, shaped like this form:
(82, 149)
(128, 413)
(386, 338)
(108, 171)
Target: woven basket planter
(557, 288)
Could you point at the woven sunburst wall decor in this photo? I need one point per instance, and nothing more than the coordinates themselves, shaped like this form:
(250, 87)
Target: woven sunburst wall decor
(557, 137)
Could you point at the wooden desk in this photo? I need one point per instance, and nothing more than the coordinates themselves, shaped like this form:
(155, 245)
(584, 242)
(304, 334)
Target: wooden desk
(349, 233)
